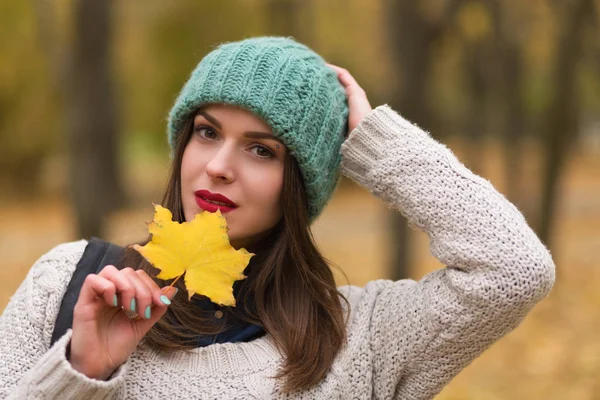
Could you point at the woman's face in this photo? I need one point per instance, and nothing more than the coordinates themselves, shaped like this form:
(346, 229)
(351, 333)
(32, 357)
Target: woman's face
(233, 153)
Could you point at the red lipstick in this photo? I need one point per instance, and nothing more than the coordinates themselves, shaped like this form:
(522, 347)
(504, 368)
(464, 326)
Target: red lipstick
(212, 202)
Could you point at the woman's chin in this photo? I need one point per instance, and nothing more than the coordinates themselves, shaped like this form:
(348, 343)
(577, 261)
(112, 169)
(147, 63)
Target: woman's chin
(243, 242)
(236, 243)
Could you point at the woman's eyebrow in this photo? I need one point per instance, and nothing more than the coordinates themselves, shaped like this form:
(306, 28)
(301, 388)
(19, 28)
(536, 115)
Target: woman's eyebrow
(248, 134)
(210, 119)
(260, 135)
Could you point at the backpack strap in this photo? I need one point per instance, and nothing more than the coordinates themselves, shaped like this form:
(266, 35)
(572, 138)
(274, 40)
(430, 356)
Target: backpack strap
(98, 254)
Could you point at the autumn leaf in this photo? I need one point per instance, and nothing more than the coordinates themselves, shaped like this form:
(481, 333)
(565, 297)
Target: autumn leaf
(200, 249)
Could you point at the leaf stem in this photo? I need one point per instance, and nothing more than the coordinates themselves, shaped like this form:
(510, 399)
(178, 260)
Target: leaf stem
(166, 290)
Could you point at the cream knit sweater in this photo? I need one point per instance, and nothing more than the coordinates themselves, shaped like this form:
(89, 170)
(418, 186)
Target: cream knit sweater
(406, 339)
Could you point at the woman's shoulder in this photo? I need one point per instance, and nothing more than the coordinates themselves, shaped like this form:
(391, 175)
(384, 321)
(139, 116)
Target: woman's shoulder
(53, 270)
(356, 294)
(362, 299)
(39, 296)
(65, 251)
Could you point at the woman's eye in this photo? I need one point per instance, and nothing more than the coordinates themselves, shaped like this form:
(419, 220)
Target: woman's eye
(263, 152)
(205, 132)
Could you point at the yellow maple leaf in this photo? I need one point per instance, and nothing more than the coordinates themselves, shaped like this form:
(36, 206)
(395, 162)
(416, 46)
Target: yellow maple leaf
(200, 249)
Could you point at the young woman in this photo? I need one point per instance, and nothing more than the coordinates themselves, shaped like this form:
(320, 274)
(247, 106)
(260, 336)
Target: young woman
(261, 131)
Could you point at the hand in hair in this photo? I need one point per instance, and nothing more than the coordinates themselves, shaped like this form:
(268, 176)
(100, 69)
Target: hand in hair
(358, 103)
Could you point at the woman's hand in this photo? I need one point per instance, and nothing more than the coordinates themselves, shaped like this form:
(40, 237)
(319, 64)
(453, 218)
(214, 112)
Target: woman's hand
(104, 333)
(358, 103)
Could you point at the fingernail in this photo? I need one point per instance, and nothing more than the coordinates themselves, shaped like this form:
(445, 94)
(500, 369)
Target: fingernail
(115, 301)
(165, 300)
(148, 312)
(132, 305)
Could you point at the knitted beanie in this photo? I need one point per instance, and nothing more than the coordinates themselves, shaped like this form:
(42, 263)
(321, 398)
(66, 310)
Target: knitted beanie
(289, 86)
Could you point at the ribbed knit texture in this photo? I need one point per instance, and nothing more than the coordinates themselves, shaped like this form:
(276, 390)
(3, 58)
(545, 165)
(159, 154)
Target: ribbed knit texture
(290, 88)
(406, 339)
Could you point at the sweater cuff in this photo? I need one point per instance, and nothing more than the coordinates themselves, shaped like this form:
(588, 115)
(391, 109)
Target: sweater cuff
(54, 376)
(368, 142)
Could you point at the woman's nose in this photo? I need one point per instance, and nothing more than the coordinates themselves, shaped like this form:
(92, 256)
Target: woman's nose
(221, 165)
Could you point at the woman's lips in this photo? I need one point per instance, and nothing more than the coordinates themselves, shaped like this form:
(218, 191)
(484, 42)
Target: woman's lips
(206, 200)
(212, 207)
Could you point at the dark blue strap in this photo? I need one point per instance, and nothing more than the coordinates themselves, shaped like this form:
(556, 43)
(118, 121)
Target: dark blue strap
(96, 256)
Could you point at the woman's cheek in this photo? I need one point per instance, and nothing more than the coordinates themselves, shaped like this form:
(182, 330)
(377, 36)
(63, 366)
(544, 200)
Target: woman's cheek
(271, 186)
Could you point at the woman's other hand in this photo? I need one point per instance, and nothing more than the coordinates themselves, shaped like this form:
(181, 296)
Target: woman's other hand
(358, 103)
(106, 331)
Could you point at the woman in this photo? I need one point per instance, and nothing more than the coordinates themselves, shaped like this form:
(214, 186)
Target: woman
(259, 131)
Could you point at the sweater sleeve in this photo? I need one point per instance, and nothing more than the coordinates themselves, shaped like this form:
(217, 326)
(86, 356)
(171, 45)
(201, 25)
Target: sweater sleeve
(29, 368)
(423, 333)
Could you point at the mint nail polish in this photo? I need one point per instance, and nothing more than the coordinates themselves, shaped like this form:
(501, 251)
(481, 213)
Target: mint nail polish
(132, 305)
(148, 313)
(115, 301)
(165, 300)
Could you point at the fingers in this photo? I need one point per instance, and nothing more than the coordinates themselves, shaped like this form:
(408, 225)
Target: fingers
(159, 309)
(135, 291)
(347, 80)
(357, 97)
(142, 302)
(343, 75)
(358, 103)
(126, 290)
(95, 286)
(160, 297)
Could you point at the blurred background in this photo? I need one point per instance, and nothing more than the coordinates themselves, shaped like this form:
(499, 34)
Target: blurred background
(512, 87)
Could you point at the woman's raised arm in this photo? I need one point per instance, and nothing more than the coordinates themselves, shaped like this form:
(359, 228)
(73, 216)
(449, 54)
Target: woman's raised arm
(423, 333)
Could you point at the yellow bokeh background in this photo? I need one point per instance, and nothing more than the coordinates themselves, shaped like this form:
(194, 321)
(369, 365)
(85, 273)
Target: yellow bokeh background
(554, 354)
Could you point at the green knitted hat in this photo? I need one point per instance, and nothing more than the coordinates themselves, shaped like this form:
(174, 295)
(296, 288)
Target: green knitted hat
(289, 86)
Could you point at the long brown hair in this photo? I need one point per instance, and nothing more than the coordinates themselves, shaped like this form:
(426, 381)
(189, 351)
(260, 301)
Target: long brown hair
(290, 290)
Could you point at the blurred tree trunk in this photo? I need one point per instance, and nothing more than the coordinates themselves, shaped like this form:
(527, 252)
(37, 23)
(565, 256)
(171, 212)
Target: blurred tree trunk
(477, 85)
(83, 72)
(92, 118)
(507, 82)
(514, 126)
(560, 119)
(412, 38)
